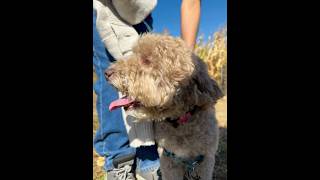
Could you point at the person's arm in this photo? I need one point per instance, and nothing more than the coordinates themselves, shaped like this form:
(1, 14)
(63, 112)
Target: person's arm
(190, 18)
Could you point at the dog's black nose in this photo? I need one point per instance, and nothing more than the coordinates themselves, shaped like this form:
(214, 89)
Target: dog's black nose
(108, 73)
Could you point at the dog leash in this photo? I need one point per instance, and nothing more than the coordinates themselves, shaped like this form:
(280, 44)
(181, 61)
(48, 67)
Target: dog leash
(189, 165)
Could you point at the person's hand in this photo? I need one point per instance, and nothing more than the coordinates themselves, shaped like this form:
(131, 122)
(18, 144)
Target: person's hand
(190, 18)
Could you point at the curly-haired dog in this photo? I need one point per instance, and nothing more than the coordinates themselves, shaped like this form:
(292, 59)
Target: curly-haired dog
(165, 82)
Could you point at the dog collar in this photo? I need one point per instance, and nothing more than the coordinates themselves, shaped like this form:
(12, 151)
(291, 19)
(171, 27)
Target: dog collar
(183, 119)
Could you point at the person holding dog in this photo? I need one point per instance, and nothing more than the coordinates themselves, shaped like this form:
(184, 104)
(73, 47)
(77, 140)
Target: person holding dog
(128, 147)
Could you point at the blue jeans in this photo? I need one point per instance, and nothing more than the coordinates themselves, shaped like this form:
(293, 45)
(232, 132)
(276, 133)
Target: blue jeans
(111, 140)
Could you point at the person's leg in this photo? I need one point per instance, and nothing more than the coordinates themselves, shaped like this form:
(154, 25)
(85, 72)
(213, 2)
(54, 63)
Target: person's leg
(111, 140)
(148, 163)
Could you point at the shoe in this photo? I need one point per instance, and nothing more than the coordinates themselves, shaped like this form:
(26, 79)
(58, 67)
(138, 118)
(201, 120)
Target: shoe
(123, 170)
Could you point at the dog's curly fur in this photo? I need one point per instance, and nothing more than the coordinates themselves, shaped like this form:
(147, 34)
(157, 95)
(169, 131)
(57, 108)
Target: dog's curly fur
(168, 80)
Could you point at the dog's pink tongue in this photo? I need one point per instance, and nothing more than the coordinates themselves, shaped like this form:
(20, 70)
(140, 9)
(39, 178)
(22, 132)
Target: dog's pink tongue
(119, 103)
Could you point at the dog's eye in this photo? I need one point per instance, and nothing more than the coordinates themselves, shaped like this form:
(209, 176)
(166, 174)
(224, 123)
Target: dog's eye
(162, 109)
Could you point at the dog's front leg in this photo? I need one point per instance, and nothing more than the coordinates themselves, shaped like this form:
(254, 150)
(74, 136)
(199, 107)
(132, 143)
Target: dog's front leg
(205, 169)
(169, 169)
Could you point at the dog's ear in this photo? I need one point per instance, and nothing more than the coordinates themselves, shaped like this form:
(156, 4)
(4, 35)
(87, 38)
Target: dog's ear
(207, 89)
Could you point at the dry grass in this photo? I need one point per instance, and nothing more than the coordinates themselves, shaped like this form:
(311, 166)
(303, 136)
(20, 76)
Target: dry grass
(214, 53)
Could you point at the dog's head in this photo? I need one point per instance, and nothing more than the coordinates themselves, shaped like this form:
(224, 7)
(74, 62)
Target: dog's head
(162, 78)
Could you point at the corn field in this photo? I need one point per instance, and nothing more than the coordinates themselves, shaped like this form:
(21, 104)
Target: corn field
(214, 54)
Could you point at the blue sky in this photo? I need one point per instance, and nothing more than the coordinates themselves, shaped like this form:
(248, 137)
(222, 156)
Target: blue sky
(167, 16)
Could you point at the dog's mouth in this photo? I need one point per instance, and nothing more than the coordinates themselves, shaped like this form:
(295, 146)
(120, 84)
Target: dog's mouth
(124, 102)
